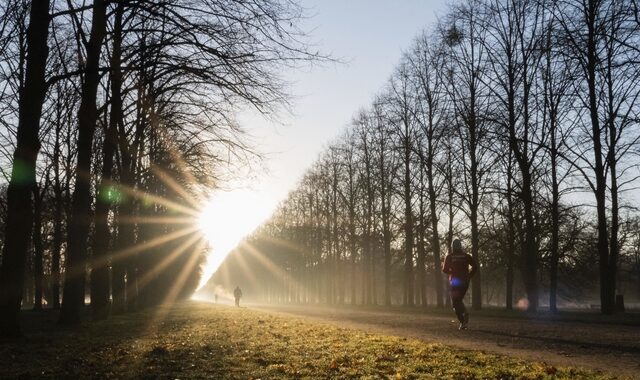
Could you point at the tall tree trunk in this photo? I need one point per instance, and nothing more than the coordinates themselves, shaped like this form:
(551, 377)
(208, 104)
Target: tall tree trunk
(421, 261)
(474, 204)
(38, 244)
(367, 251)
(118, 268)
(435, 236)
(614, 249)
(77, 239)
(386, 232)
(124, 287)
(373, 282)
(530, 270)
(58, 200)
(23, 175)
(127, 265)
(386, 237)
(555, 224)
(451, 215)
(476, 295)
(606, 297)
(385, 206)
(106, 192)
(612, 160)
(38, 249)
(551, 103)
(408, 225)
(335, 292)
(126, 238)
(353, 251)
(510, 246)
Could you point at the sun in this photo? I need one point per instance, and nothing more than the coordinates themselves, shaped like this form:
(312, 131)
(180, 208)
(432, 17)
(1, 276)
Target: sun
(225, 219)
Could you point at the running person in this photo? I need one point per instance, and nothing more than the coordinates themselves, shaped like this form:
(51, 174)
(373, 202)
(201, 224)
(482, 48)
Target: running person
(456, 265)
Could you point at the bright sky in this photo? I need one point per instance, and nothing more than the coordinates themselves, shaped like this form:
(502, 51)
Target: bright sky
(370, 36)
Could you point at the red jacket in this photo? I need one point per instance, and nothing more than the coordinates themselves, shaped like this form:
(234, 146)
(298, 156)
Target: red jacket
(457, 266)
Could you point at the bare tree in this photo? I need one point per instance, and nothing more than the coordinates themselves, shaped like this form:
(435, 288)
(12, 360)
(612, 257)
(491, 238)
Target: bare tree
(74, 286)
(19, 202)
(556, 76)
(402, 104)
(514, 28)
(100, 290)
(428, 61)
(599, 45)
(466, 67)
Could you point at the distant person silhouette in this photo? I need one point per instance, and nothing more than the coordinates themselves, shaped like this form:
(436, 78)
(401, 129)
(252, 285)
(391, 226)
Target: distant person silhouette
(456, 265)
(215, 296)
(237, 294)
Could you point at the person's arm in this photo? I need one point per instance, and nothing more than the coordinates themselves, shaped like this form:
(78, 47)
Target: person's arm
(446, 266)
(474, 265)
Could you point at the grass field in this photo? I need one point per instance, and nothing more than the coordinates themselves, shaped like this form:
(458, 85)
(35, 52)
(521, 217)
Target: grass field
(198, 340)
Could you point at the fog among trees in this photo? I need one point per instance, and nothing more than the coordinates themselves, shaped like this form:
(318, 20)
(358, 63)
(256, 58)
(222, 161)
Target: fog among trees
(513, 125)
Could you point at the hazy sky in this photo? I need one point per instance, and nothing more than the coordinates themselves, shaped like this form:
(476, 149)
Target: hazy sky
(369, 35)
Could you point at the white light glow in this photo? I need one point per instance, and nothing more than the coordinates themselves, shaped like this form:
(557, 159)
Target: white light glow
(226, 219)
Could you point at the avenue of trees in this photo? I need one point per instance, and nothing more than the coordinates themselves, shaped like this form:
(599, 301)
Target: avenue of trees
(512, 124)
(114, 116)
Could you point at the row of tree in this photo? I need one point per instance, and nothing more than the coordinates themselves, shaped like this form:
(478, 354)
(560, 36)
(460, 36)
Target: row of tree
(115, 116)
(513, 124)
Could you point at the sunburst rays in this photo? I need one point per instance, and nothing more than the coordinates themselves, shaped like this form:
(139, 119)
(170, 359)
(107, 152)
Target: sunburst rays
(165, 231)
(172, 227)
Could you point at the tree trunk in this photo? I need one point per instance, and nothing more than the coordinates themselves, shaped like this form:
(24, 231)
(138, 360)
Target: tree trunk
(510, 246)
(476, 295)
(19, 205)
(58, 200)
(606, 297)
(408, 226)
(335, 292)
(374, 283)
(435, 236)
(612, 161)
(38, 249)
(386, 235)
(530, 270)
(474, 204)
(106, 193)
(352, 246)
(555, 225)
(118, 269)
(450, 208)
(421, 261)
(610, 280)
(77, 239)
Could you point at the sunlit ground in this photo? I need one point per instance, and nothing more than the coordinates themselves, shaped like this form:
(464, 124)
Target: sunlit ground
(226, 218)
(203, 341)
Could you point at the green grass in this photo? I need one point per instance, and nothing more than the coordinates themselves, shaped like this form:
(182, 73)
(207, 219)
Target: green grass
(197, 340)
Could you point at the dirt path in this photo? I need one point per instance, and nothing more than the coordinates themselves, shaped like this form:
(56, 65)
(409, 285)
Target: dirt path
(609, 348)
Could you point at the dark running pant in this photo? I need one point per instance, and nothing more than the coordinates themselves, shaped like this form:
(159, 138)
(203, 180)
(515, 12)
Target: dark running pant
(458, 290)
